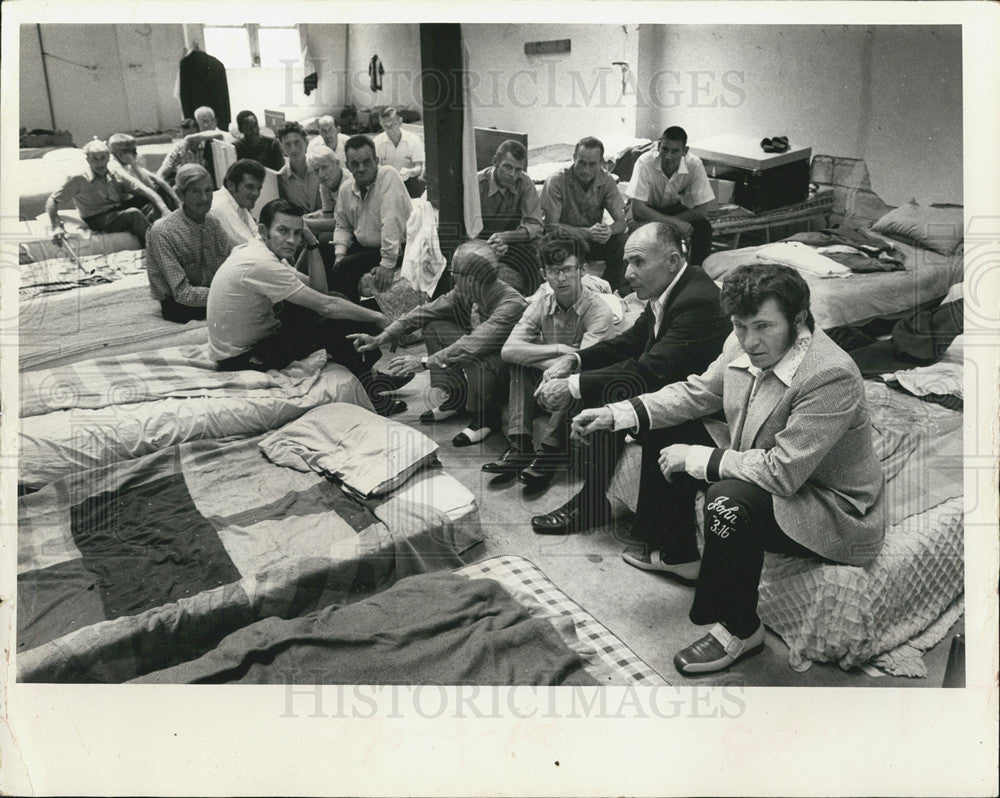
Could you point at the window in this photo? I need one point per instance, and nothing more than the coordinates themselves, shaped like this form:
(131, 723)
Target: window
(250, 45)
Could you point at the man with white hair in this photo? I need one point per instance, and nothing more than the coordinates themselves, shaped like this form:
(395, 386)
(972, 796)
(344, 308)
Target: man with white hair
(108, 202)
(402, 150)
(323, 161)
(186, 249)
(329, 136)
(124, 158)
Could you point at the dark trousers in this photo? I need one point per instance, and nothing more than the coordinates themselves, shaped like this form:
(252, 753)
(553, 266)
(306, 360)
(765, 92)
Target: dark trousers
(348, 271)
(303, 332)
(700, 243)
(739, 527)
(612, 253)
(173, 310)
(415, 187)
(479, 386)
(132, 216)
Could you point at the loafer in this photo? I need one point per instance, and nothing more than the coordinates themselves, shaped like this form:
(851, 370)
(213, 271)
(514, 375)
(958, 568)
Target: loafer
(510, 462)
(471, 435)
(640, 557)
(542, 470)
(718, 650)
(568, 520)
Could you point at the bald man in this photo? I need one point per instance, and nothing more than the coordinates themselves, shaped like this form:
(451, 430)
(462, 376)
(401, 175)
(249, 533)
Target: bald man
(329, 136)
(186, 249)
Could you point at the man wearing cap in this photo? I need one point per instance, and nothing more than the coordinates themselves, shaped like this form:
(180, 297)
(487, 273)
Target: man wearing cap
(186, 249)
(124, 158)
(108, 202)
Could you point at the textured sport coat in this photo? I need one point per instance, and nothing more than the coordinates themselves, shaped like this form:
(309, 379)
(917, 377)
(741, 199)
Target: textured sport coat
(809, 444)
(636, 361)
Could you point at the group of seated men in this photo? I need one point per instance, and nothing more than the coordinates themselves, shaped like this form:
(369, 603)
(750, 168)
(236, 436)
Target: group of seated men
(735, 390)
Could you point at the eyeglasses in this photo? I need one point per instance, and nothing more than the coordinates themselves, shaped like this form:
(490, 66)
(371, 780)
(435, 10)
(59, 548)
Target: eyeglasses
(564, 272)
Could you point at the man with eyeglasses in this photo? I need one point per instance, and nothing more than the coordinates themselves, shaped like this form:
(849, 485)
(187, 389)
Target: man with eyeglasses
(563, 317)
(402, 150)
(124, 160)
(574, 201)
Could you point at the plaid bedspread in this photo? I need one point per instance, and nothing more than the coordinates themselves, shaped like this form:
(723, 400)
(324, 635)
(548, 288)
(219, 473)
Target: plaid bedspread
(64, 273)
(144, 376)
(147, 563)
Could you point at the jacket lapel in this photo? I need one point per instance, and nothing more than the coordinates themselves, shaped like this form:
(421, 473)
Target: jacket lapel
(769, 393)
(681, 283)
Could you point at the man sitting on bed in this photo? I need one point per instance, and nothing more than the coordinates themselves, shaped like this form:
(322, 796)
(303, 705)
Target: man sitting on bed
(574, 201)
(186, 249)
(233, 204)
(464, 360)
(125, 158)
(108, 201)
(669, 185)
(263, 314)
(796, 474)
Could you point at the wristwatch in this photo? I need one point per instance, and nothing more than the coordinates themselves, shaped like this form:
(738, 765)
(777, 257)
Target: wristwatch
(423, 362)
(312, 246)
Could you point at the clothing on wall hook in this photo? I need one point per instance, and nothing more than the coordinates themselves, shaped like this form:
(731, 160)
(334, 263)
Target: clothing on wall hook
(625, 70)
(375, 72)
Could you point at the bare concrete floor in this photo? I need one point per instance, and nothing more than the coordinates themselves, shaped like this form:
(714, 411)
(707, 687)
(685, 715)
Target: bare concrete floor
(648, 612)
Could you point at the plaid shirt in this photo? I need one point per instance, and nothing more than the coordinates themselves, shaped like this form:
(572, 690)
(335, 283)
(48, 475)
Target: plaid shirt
(183, 256)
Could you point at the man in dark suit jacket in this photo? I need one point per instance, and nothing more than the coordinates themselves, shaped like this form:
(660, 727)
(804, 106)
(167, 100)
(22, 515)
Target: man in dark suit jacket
(679, 333)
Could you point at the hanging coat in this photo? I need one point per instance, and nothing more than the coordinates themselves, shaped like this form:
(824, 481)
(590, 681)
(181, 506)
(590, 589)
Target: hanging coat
(203, 82)
(375, 72)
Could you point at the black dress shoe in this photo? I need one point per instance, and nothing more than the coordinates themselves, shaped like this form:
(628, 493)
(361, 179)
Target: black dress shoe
(387, 382)
(510, 462)
(542, 469)
(569, 519)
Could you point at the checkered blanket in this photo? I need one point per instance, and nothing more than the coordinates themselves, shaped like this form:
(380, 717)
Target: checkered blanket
(146, 563)
(64, 273)
(182, 371)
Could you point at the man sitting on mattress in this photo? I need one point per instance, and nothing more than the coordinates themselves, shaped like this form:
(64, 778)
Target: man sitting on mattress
(108, 201)
(795, 474)
(233, 204)
(574, 201)
(464, 361)
(125, 158)
(186, 248)
(669, 185)
(263, 314)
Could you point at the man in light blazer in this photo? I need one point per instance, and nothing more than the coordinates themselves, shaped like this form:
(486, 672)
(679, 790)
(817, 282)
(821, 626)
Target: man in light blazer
(680, 332)
(798, 473)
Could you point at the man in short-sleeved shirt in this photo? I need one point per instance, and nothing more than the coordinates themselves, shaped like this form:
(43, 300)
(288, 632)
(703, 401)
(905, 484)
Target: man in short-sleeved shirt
(297, 183)
(402, 150)
(512, 215)
(670, 185)
(563, 317)
(574, 201)
(186, 249)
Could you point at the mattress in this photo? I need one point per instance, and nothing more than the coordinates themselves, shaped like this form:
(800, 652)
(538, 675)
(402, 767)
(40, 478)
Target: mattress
(144, 564)
(496, 622)
(905, 601)
(860, 298)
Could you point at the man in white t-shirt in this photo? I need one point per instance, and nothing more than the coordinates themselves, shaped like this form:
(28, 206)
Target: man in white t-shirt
(670, 185)
(247, 331)
(402, 150)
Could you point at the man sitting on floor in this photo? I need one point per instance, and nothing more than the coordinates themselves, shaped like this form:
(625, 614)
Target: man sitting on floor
(297, 183)
(249, 329)
(464, 362)
(798, 474)
(324, 163)
(190, 149)
(124, 158)
(512, 216)
(669, 185)
(108, 201)
(329, 136)
(263, 149)
(574, 201)
(679, 333)
(558, 321)
(372, 210)
(233, 204)
(186, 249)
(402, 150)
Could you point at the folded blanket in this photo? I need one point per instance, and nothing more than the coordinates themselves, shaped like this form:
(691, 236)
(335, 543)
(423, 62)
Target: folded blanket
(802, 257)
(369, 454)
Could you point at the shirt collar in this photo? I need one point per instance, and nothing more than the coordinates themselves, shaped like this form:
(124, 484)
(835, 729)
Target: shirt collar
(552, 304)
(92, 176)
(357, 191)
(682, 167)
(496, 187)
(785, 368)
(658, 303)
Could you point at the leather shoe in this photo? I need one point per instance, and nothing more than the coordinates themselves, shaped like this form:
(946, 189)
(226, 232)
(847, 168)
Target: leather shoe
(510, 462)
(645, 560)
(542, 469)
(388, 382)
(569, 519)
(718, 650)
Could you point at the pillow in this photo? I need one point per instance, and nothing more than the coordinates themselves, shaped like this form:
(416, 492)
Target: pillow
(938, 229)
(369, 454)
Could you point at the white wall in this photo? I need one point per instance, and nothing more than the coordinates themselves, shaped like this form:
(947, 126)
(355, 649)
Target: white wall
(398, 48)
(889, 95)
(555, 99)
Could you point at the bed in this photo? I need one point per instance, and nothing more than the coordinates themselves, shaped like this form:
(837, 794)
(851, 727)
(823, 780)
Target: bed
(500, 621)
(145, 563)
(888, 613)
